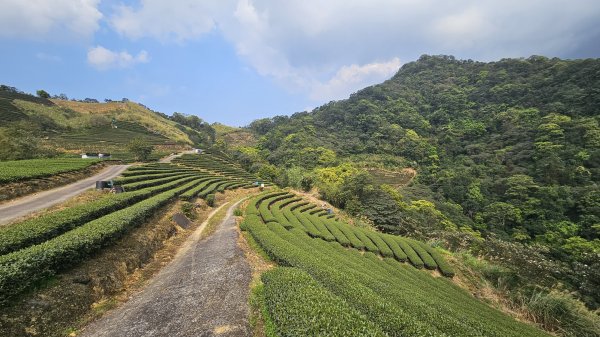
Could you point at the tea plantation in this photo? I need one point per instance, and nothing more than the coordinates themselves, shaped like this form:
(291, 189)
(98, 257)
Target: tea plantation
(11, 171)
(38, 248)
(335, 279)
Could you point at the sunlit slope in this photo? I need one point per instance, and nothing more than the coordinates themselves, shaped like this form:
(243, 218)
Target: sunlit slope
(345, 281)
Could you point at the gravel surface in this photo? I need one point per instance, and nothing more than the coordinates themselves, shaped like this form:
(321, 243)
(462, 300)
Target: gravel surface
(202, 292)
(35, 202)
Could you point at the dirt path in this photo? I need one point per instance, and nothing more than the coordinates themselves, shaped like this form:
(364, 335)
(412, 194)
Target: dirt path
(38, 201)
(202, 292)
(169, 158)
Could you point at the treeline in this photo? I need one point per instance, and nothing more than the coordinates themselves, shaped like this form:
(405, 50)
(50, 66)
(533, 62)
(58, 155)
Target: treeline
(507, 156)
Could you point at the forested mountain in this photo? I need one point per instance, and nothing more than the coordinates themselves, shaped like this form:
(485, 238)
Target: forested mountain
(506, 154)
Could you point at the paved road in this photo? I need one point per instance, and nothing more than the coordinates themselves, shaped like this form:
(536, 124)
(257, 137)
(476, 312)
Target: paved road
(202, 292)
(38, 201)
(169, 158)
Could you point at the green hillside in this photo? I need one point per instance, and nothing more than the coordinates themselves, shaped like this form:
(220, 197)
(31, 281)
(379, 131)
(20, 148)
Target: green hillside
(35, 127)
(498, 162)
(336, 291)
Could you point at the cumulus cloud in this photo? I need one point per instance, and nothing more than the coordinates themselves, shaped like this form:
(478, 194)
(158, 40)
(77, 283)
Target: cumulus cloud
(351, 78)
(102, 58)
(43, 19)
(315, 46)
(165, 20)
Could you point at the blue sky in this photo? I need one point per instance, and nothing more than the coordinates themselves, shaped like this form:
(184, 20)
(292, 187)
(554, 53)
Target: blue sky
(233, 61)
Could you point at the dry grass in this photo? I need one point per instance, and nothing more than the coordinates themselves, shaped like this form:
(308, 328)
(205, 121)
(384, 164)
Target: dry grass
(393, 178)
(131, 112)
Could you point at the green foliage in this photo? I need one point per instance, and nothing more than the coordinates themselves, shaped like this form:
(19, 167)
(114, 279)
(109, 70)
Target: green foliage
(37, 230)
(12, 171)
(210, 200)
(20, 269)
(238, 212)
(42, 94)
(140, 148)
(204, 133)
(188, 210)
(20, 141)
(300, 306)
(395, 298)
(38, 248)
(505, 149)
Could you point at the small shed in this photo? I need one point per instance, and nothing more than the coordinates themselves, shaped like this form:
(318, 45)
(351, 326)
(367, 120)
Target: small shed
(198, 151)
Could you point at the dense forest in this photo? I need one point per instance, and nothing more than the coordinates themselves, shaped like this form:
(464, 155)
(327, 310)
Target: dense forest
(506, 155)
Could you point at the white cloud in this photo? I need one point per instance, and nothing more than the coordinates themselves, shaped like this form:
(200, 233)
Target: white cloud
(102, 58)
(351, 78)
(314, 46)
(44, 19)
(164, 20)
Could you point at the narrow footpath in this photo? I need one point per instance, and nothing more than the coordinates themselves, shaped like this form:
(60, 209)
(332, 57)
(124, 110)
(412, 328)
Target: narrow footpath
(22, 206)
(170, 158)
(202, 292)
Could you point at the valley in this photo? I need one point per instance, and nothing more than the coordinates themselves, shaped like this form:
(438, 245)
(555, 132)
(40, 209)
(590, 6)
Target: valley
(458, 198)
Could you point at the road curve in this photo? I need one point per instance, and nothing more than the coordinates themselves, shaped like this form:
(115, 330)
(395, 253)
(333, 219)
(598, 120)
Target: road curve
(202, 292)
(38, 201)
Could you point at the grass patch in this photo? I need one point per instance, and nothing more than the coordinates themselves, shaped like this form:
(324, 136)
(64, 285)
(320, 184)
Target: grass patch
(101, 307)
(214, 221)
(260, 320)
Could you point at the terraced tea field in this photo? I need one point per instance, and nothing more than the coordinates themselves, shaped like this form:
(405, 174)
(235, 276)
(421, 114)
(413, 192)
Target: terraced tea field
(335, 279)
(213, 162)
(106, 138)
(19, 170)
(35, 249)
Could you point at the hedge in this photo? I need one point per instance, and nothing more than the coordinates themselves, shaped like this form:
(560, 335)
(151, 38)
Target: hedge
(21, 269)
(300, 306)
(428, 261)
(37, 230)
(413, 257)
(399, 299)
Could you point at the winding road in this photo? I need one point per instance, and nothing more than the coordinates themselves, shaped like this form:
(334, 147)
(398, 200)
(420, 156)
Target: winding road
(202, 292)
(20, 207)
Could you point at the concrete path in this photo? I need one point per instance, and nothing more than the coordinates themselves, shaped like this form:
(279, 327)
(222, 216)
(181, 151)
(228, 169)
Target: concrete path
(202, 292)
(38, 201)
(169, 158)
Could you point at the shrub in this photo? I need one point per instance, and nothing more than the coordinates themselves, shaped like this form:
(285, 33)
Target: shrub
(210, 200)
(188, 209)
